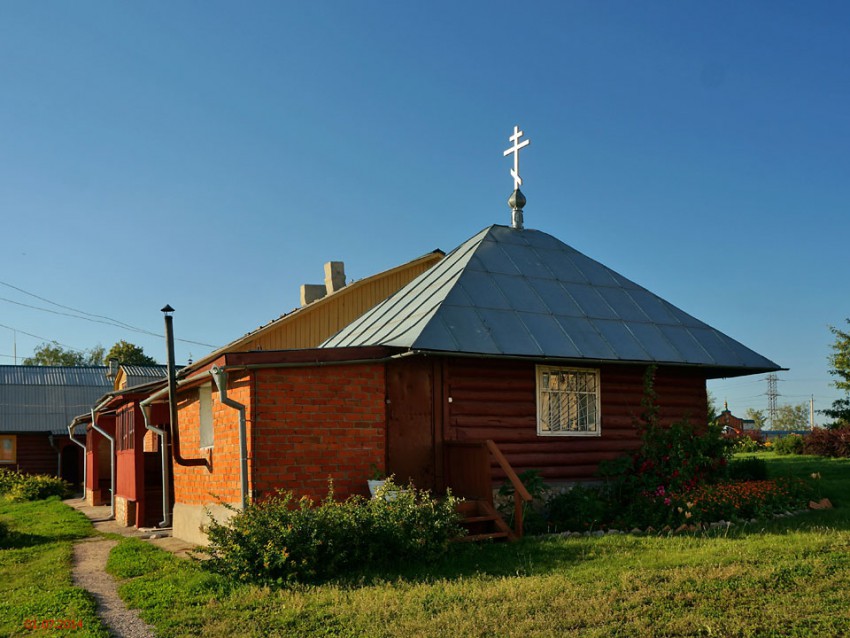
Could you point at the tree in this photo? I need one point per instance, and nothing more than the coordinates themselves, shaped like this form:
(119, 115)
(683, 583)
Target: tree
(791, 417)
(757, 416)
(712, 408)
(52, 354)
(130, 354)
(840, 362)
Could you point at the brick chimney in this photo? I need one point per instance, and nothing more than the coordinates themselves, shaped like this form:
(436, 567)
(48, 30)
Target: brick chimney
(334, 280)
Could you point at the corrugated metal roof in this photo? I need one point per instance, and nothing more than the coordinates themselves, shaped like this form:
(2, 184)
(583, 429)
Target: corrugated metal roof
(47, 398)
(54, 375)
(139, 375)
(510, 292)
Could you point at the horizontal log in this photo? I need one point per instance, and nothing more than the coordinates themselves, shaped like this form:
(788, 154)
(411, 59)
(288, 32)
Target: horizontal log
(538, 460)
(462, 408)
(464, 421)
(551, 446)
(493, 393)
(565, 472)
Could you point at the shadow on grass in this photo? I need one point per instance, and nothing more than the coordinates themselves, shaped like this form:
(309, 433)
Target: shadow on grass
(23, 540)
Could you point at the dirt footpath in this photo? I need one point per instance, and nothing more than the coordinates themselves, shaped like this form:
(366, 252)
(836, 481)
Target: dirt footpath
(89, 573)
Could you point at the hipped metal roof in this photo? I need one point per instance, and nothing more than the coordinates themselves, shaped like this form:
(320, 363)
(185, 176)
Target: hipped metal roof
(524, 293)
(47, 398)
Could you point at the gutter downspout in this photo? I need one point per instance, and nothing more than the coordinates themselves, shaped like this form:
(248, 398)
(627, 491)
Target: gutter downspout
(220, 377)
(85, 457)
(111, 459)
(52, 442)
(172, 396)
(163, 446)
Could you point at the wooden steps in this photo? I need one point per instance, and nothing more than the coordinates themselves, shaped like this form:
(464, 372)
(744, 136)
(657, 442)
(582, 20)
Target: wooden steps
(483, 523)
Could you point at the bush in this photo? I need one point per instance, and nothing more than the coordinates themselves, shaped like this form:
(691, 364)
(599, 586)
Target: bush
(533, 518)
(746, 443)
(31, 487)
(747, 469)
(282, 540)
(581, 508)
(791, 444)
(828, 442)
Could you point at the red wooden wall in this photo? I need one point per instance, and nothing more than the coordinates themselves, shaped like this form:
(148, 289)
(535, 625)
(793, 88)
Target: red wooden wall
(493, 399)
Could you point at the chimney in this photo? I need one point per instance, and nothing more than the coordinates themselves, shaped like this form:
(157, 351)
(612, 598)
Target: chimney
(311, 293)
(112, 370)
(334, 276)
(334, 280)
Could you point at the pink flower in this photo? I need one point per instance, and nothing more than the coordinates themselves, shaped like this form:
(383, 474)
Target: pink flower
(667, 501)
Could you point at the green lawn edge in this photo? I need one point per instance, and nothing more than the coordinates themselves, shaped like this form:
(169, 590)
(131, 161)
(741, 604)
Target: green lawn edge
(36, 583)
(783, 577)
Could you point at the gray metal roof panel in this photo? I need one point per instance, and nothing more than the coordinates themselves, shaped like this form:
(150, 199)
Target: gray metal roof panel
(525, 293)
(54, 375)
(47, 398)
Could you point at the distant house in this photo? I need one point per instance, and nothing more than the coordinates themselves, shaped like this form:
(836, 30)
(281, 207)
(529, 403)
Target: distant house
(36, 405)
(735, 424)
(514, 342)
(117, 439)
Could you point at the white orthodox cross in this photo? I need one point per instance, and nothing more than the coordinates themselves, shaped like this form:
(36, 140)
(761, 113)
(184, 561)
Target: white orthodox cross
(515, 150)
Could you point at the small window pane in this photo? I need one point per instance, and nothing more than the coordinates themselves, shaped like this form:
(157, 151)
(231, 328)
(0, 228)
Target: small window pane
(568, 400)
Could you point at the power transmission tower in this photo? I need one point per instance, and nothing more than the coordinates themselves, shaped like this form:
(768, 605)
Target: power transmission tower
(772, 394)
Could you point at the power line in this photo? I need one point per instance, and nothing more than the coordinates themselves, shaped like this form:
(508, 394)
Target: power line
(29, 334)
(89, 316)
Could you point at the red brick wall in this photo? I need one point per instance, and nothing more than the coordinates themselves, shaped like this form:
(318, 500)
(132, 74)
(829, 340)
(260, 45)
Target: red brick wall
(200, 485)
(315, 423)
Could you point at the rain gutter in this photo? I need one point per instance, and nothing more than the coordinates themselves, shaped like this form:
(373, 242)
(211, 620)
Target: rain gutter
(111, 456)
(85, 455)
(220, 377)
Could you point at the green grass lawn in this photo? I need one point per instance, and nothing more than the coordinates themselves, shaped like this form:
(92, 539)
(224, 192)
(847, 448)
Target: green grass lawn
(35, 570)
(787, 577)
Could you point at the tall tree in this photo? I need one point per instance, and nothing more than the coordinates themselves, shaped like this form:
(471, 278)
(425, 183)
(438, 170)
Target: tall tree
(52, 354)
(791, 417)
(839, 412)
(757, 416)
(130, 354)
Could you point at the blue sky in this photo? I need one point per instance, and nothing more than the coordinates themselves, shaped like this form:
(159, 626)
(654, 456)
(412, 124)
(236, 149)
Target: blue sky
(213, 155)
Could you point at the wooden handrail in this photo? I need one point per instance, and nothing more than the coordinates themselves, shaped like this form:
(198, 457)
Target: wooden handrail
(521, 494)
(519, 488)
(472, 479)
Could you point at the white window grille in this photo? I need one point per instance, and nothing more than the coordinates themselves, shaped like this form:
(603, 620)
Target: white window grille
(567, 401)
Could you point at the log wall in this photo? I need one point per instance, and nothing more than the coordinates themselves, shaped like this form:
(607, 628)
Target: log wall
(490, 399)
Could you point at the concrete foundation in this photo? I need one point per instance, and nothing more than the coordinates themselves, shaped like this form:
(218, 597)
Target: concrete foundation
(190, 520)
(125, 511)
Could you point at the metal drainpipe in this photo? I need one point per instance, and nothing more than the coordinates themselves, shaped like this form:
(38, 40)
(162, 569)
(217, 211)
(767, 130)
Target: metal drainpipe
(85, 457)
(163, 447)
(220, 377)
(52, 442)
(172, 395)
(111, 460)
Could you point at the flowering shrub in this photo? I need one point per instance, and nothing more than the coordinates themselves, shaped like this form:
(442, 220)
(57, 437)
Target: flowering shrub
(745, 443)
(31, 487)
(828, 442)
(791, 444)
(746, 499)
(282, 540)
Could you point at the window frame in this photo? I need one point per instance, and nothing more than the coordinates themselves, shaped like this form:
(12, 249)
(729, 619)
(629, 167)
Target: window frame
(539, 391)
(14, 439)
(206, 429)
